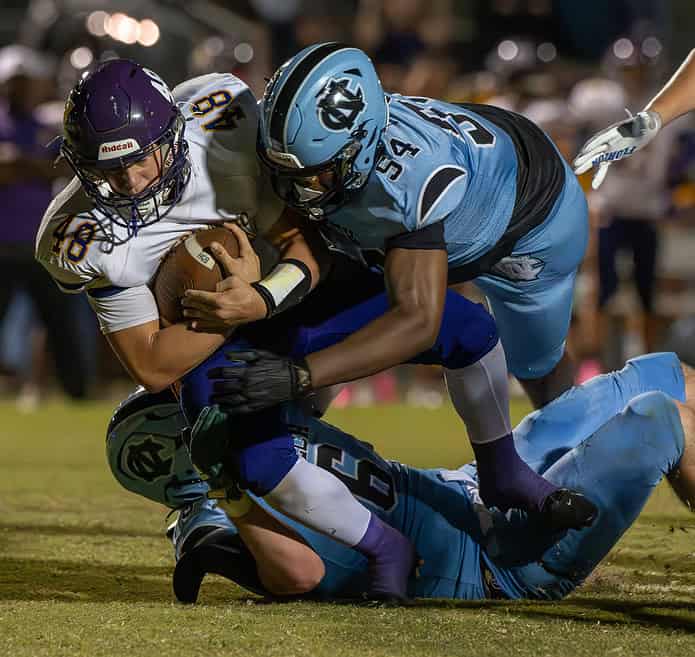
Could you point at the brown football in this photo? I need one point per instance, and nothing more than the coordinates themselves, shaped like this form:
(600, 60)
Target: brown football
(190, 265)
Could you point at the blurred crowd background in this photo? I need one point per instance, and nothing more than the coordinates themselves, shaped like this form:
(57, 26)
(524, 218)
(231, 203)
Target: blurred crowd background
(572, 67)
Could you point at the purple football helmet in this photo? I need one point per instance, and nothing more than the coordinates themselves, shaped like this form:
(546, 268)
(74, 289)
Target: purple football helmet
(119, 114)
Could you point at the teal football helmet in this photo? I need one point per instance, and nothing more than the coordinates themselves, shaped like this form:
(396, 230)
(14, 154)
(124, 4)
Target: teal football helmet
(146, 451)
(322, 116)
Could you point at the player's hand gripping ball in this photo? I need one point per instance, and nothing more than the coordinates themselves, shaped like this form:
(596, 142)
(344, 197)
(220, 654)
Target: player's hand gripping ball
(190, 265)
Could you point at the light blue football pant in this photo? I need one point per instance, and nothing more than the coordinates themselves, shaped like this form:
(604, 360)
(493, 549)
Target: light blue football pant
(612, 439)
(533, 316)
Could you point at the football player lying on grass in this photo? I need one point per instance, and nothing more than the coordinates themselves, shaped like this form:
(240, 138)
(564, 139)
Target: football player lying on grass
(614, 437)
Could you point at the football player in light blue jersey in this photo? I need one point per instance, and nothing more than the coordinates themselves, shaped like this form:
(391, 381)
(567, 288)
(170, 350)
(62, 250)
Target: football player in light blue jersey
(614, 437)
(434, 193)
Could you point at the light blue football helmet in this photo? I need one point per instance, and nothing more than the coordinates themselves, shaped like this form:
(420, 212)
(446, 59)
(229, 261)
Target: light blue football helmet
(146, 451)
(322, 116)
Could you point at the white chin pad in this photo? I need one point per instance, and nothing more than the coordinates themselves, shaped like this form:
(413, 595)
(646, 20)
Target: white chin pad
(306, 194)
(284, 159)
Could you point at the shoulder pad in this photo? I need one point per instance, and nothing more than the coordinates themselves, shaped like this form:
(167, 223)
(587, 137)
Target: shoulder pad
(207, 94)
(220, 111)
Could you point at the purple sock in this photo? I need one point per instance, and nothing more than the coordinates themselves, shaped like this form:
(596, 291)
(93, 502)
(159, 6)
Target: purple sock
(371, 541)
(506, 481)
(391, 557)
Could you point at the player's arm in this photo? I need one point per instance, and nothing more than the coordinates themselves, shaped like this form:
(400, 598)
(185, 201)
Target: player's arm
(416, 270)
(244, 297)
(154, 356)
(626, 137)
(157, 357)
(678, 95)
(416, 281)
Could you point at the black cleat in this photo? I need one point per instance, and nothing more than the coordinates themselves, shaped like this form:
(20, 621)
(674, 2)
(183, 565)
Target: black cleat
(566, 509)
(188, 576)
(221, 552)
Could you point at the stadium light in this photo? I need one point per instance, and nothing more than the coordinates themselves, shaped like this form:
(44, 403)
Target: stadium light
(623, 48)
(81, 57)
(546, 52)
(651, 47)
(123, 28)
(214, 46)
(149, 32)
(507, 50)
(96, 23)
(243, 53)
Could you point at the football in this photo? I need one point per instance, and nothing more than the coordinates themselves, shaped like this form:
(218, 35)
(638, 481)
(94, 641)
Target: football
(190, 265)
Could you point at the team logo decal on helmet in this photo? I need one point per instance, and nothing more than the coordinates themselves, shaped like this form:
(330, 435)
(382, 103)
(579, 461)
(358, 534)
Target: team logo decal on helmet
(339, 106)
(146, 451)
(143, 460)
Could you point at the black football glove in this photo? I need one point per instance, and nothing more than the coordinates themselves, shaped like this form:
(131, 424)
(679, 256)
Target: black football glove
(257, 380)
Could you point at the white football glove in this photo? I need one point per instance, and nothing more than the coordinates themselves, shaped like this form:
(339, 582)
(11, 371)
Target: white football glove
(615, 142)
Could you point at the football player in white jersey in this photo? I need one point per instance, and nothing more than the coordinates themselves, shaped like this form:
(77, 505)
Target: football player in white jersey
(140, 186)
(152, 166)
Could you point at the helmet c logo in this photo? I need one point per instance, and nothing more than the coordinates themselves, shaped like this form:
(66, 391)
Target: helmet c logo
(339, 106)
(143, 460)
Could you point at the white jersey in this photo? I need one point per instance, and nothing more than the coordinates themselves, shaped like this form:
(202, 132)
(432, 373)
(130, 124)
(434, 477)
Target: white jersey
(226, 180)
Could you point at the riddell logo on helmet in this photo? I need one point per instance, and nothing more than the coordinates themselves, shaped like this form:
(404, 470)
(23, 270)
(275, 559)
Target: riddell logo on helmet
(112, 149)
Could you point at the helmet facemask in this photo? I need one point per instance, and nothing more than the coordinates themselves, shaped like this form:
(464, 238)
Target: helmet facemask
(317, 190)
(135, 211)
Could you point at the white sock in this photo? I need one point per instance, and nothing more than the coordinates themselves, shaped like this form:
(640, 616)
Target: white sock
(320, 501)
(480, 394)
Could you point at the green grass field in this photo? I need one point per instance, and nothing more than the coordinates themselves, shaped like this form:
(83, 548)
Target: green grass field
(85, 568)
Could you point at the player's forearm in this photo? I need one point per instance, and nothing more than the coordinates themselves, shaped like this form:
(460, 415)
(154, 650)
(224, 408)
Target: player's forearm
(157, 357)
(304, 261)
(392, 339)
(678, 95)
(417, 287)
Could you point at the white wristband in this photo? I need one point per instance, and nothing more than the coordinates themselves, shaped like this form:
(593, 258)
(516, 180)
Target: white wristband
(285, 286)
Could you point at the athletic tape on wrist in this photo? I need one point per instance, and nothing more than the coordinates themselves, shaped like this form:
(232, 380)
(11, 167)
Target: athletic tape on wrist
(285, 286)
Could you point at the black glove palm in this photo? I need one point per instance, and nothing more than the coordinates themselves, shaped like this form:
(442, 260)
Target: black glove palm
(259, 379)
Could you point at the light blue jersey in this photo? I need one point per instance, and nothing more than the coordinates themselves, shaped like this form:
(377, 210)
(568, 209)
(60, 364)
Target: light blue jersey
(488, 178)
(440, 163)
(612, 439)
